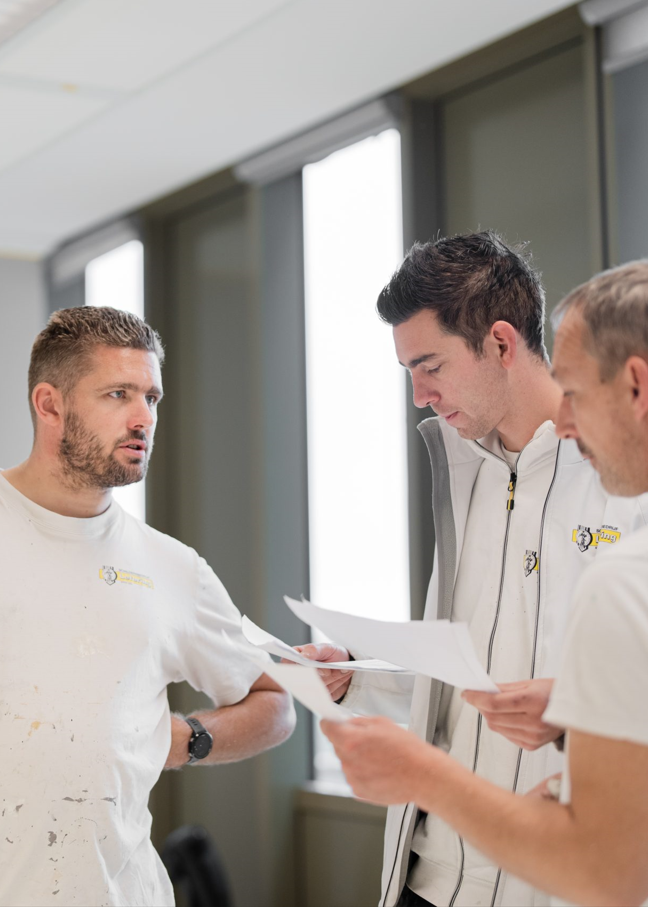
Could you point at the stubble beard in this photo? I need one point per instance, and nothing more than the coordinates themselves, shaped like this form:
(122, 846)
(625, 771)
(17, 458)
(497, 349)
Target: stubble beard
(85, 465)
(476, 429)
(618, 481)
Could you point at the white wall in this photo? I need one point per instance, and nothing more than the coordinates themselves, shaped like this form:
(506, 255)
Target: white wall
(22, 316)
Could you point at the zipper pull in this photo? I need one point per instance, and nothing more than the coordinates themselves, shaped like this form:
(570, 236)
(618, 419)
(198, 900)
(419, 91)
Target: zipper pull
(510, 504)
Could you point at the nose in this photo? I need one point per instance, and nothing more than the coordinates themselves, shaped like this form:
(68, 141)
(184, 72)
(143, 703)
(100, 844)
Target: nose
(565, 423)
(141, 416)
(422, 394)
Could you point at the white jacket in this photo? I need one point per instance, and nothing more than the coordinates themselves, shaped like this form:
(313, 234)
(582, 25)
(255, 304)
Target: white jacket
(560, 506)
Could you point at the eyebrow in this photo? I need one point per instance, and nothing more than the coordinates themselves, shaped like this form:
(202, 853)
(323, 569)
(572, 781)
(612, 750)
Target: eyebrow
(414, 362)
(129, 386)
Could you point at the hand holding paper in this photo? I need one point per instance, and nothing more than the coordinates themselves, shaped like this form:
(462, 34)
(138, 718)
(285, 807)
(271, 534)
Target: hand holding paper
(303, 683)
(436, 648)
(269, 643)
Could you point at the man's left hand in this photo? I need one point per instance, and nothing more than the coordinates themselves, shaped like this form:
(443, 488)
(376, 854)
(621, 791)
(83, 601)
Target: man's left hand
(516, 712)
(382, 762)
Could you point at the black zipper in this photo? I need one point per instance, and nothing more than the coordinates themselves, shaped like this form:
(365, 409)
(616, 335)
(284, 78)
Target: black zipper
(510, 504)
(535, 635)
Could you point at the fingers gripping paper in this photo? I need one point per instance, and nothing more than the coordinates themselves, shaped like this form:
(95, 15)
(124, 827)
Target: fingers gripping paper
(269, 643)
(304, 683)
(436, 648)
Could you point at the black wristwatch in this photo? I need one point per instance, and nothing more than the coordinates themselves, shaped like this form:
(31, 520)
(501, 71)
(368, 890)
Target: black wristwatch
(200, 742)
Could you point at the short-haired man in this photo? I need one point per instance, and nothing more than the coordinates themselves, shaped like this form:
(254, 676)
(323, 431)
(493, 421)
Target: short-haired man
(98, 613)
(518, 516)
(589, 848)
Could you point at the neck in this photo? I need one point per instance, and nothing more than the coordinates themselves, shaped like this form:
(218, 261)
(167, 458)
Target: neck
(535, 398)
(40, 479)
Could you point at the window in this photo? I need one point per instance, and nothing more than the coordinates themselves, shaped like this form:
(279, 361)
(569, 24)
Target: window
(116, 279)
(358, 520)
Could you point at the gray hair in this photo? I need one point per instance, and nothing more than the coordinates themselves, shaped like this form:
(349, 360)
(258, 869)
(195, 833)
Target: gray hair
(614, 306)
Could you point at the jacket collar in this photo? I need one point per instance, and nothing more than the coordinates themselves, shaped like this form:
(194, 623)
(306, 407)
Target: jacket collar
(542, 446)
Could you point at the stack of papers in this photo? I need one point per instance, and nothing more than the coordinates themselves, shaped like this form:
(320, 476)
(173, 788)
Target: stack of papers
(436, 648)
(267, 642)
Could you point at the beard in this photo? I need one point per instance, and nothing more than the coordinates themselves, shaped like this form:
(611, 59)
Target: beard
(584, 449)
(85, 465)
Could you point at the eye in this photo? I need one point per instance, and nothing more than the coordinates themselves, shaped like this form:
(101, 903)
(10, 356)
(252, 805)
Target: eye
(118, 395)
(433, 371)
(152, 400)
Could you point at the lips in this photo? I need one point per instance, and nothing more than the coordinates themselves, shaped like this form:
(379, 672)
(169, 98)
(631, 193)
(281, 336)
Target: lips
(134, 448)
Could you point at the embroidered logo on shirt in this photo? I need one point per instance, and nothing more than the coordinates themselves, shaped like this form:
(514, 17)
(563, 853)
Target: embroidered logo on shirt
(530, 562)
(585, 538)
(110, 575)
(609, 534)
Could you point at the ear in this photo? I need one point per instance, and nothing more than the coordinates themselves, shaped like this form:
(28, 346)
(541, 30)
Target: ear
(504, 339)
(48, 404)
(635, 374)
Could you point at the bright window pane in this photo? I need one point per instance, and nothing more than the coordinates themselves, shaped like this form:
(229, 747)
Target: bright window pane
(117, 279)
(357, 465)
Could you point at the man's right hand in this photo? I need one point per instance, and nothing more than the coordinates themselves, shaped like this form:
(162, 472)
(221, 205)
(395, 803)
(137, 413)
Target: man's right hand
(337, 682)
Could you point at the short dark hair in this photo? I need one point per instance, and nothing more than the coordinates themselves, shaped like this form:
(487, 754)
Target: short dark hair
(614, 306)
(469, 281)
(62, 351)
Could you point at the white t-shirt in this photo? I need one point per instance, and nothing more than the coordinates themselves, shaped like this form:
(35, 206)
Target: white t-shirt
(601, 687)
(97, 616)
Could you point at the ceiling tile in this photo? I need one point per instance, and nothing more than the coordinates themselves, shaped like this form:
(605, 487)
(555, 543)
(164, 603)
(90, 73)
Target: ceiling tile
(36, 117)
(125, 44)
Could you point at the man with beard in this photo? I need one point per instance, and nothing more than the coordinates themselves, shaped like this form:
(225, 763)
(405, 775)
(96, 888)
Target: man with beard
(590, 846)
(98, 613)
(509, 502)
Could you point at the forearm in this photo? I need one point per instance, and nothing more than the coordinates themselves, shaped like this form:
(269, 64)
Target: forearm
(538, 840)
(265, 718)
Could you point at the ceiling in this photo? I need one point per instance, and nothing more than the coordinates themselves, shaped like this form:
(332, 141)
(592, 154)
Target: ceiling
(108, 104)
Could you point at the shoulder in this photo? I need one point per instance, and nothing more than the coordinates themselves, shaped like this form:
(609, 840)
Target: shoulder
(174, 552)
(616, 583)
(631, 552)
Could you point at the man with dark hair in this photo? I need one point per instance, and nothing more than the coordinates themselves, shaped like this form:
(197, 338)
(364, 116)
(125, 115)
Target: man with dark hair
(469, 282)
(98, 614)
(509, 500)
(583, 839)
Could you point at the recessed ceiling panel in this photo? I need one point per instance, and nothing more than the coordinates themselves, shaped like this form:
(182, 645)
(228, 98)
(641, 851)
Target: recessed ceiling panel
(289, 69)
(32, 118)
(125, 44)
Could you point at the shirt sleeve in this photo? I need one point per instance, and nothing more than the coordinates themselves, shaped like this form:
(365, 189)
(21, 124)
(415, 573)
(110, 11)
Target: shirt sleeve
(208, 662)
(601, 687)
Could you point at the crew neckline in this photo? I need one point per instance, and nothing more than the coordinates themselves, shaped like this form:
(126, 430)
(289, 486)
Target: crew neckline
(73, 527)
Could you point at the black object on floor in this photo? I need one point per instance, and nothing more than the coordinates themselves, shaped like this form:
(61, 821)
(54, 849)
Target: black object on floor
(194, 865)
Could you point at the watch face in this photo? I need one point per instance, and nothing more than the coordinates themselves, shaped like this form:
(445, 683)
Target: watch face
(201, 746)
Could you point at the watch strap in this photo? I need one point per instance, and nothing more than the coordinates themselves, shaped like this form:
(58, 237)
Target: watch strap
(197, 729)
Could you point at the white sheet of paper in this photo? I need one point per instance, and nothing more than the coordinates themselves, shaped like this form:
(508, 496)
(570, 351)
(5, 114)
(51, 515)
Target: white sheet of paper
(307, 687)
(304, 683)
(269, 643)
(436, 648)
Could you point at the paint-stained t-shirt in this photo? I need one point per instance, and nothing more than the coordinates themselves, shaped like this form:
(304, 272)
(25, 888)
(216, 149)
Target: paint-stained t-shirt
(97, 616)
